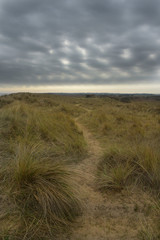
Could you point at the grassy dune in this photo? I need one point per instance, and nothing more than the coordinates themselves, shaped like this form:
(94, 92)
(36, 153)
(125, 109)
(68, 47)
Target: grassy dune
(54, 129)
(48, 179)
(130, 136)
(38, 189)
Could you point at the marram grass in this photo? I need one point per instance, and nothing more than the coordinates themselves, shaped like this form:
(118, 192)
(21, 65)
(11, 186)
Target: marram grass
(21, 121)
(121, 167)
(114, 170)
(43, 193)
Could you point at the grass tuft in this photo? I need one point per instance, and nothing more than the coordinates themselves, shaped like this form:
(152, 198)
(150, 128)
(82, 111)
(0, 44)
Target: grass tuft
(114, 170)
(42, 192)
(149, 231)
(122, 167)
(148, 166)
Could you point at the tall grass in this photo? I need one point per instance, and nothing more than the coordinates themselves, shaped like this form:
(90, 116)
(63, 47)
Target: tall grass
(149, 231)
(56, 129)
(114, 170)
(39, 191)
(148, 166)
(123, 123)
(121, 167)
(42, 192)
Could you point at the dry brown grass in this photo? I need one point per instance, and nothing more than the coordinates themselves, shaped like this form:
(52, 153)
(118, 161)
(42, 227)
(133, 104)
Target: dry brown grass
(114, 170)
(38, 190)
(56, 129)
(121, 167)
(41, 194)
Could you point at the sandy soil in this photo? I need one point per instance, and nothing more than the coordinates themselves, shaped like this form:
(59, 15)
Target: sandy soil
(110, 216)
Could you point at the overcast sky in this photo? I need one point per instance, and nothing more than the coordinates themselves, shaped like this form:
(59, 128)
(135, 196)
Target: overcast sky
(80, 45)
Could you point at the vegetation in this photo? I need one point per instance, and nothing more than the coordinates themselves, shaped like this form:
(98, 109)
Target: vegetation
(129, 134)
(56, 130)
(120, 168)
(41, 195)
(37, 184)
(53, 147)
(115, 170)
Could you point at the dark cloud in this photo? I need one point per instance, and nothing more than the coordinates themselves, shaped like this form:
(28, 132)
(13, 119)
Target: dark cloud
(79, 42)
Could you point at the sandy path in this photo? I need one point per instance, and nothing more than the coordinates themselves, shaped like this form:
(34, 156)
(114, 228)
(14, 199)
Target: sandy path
(87, 223)
(105, 217)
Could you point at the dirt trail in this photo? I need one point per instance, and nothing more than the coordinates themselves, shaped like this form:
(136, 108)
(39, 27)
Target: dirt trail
(105, 217)
(87, 223)
(89, 164)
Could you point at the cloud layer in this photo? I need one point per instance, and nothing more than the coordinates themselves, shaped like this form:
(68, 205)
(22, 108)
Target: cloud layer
(79, 42)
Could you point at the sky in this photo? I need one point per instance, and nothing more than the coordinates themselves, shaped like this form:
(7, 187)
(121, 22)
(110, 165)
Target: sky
(80, 46)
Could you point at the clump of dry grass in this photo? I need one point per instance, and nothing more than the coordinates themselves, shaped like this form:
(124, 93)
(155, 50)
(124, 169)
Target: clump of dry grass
(148, 166)
(43, 193)
(114, 170)
(149, 231)
(122, 167)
